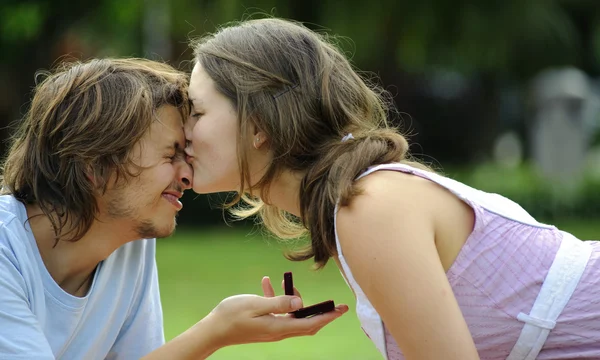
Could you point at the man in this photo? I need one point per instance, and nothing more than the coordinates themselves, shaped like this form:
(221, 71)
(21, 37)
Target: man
(96, 165)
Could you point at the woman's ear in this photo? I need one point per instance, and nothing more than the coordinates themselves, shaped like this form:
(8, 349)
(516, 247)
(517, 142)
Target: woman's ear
(259, 137)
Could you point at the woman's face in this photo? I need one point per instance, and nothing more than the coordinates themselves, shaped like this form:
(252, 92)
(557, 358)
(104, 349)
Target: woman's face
(212, 132)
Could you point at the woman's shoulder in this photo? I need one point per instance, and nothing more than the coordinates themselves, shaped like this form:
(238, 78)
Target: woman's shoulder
(396, 190)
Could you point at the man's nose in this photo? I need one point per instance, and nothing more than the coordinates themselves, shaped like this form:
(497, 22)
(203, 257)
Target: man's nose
(187, 130)
(185, 174)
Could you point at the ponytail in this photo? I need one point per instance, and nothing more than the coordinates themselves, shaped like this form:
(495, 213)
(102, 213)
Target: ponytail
(330, 181)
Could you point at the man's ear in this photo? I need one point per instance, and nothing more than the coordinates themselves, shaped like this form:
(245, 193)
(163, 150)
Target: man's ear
(90, 175)
(95, 179)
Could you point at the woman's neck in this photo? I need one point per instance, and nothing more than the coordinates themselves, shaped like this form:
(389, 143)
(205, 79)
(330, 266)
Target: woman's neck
(285, 190)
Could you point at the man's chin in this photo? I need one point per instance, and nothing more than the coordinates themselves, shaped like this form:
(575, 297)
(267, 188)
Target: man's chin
(150, 230)
(166, 232)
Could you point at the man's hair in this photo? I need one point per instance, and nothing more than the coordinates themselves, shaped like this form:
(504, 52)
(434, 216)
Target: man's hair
(83, 122)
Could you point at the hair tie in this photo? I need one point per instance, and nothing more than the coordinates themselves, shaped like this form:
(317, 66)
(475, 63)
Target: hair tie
(347, 137)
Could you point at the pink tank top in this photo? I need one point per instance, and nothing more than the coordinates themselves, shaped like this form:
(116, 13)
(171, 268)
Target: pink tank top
(497, 275)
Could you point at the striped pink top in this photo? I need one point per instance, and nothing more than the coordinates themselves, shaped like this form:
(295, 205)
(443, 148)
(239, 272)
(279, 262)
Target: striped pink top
(499, 273)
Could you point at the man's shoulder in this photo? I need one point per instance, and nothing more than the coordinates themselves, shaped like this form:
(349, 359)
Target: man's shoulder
(16, 254)
(9, 209)
(12, 222)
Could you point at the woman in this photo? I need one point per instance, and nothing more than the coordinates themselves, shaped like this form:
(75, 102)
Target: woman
(439, 270)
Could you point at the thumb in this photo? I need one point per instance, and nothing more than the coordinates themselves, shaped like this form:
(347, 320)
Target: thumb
(277, 305)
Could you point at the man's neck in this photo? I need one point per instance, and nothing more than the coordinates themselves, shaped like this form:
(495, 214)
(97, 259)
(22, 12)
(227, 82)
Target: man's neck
(72, 263)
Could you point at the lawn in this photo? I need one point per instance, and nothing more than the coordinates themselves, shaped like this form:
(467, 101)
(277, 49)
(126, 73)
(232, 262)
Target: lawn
(199, 268)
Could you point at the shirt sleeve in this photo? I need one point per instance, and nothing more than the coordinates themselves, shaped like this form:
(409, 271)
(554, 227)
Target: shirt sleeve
(21, 336)
(143, 331)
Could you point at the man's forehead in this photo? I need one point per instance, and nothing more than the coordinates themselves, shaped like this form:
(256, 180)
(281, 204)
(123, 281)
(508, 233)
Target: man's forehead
(166, 135)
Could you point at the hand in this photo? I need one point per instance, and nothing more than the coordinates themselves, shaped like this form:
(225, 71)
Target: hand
(242, 319)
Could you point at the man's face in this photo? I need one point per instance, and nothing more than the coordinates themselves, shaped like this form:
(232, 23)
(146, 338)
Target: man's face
(148, 203)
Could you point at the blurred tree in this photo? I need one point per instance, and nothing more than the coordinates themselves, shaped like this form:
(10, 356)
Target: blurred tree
(35, 35)
(448, 62)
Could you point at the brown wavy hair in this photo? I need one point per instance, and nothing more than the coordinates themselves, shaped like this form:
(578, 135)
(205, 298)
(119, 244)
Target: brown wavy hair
(297, 86)
(82, 124)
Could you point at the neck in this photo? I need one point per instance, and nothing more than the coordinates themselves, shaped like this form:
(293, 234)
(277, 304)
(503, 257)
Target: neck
(285, 192)
(72, 263)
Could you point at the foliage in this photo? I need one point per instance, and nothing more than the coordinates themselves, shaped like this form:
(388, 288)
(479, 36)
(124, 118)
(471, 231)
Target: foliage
(542, 199)
(507, 36)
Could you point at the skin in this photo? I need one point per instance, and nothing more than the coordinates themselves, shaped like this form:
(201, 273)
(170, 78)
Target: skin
(399, 237)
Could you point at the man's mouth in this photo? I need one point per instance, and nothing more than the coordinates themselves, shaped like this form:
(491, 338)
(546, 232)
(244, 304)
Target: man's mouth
(173, 197)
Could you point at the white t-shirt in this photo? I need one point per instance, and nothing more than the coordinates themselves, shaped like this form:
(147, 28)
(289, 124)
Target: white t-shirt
(120, 317)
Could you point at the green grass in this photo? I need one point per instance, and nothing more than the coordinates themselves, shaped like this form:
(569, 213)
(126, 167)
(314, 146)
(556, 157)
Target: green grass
(197, 269)
(584, 230)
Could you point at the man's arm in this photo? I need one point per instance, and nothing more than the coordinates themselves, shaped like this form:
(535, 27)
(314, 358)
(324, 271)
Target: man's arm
(243, 319)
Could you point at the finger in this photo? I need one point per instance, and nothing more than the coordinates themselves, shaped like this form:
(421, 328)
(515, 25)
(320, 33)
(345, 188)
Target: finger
(267, 287)
(296, 292)
(275, 305)
(327, 317)
(343, 308)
